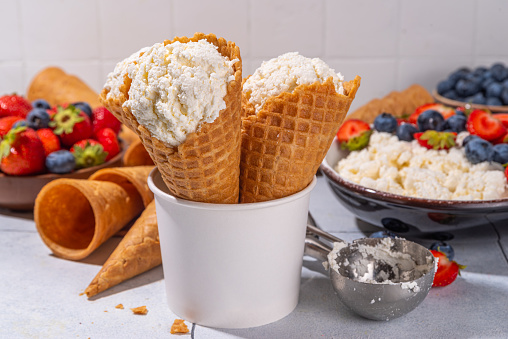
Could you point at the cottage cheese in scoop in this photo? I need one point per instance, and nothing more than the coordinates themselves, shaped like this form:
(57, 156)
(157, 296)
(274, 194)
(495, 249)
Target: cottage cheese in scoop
(178, 87)
(284, 74)
(406, 168)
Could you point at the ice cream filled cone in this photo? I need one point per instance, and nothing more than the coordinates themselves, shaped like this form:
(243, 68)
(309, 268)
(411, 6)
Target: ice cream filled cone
(138, 252)
(285, 139)
(136, 155)
(74, 217)
(57, 87)
(204, 166)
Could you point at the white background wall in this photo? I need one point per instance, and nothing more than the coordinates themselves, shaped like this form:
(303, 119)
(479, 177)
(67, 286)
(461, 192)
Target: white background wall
(390, 43)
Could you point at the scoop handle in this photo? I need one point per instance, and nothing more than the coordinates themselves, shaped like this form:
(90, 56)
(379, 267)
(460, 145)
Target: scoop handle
(316, 248)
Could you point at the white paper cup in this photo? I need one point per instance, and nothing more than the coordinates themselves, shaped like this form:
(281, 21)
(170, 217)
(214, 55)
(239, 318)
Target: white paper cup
(231, 266)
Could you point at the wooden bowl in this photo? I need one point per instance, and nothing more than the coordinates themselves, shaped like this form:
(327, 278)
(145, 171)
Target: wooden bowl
(454, 103)
(19, 192)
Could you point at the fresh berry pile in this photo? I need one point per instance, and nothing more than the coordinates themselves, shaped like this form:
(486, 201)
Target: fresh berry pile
(483, 86)
(36, 138)
(436, 126)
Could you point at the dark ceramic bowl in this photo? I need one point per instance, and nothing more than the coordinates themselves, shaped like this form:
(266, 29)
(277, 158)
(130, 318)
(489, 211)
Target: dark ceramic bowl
(19, 192)
(402, 214)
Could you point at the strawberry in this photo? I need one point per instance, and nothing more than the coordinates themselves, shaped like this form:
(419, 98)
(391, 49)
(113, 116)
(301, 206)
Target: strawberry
(71, 125)
(503, 117)
(436, 140)
(6, 124)
(103, 118)
(21, 152)
(485, 125)
(107, 138)
(354, 134)
(14, 105)
(88, 153)
(506, 173)
(447, 270)
(445, 111)
(50, 141)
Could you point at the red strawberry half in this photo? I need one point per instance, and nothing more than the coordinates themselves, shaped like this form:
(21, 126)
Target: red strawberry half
(445, 111)
(71, 124)
(107, 138)
(503, 117)
(50, 141)
(7, 123)
(485, 125)
(102, 118)
(447, 270)
(88, 153)
(436, 140)
(14, 105)
(354, 134)
(21, 152)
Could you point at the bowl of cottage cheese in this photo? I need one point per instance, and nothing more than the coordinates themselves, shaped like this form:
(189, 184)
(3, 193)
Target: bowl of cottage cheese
(406, 188)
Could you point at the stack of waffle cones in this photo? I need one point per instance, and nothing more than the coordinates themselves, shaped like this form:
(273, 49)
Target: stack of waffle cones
(205, 167)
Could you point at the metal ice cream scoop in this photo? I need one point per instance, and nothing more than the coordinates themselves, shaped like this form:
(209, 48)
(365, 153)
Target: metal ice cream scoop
(366, 283)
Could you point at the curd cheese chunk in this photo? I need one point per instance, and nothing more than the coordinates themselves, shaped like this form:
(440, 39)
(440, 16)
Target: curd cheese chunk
(178, 87)
(284, 74)
(406, 168)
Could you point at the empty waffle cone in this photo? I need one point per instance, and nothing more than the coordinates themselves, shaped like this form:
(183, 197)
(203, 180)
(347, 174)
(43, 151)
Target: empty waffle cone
(136, 155)
(205, 167)
(75, 216)
(285, 142)
(138, 252)
(58, 87)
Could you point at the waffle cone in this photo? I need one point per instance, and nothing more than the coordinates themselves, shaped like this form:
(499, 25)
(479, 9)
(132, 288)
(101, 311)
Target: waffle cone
(136, 155)
(138, 252)
(75, 216)
(58, 87)
(285, 142)
(205, 167)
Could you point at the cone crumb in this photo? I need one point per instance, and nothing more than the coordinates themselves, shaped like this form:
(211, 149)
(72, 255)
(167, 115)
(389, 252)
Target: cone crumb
(140, 310)
(179, 327)
(120, 306)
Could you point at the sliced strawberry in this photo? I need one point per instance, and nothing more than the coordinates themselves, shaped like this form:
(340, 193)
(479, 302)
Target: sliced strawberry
(354, 134)
(21, 152)
(6, 124)
(503, 117)
(50, 141)
(484, 125)
(447, 270)
(445, 111)
(14, 105)
(436, 140)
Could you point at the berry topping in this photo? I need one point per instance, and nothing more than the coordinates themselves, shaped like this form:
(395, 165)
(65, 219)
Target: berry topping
(447, 270)
(500, 153)
(430, 120)
(14, 105)
(405, 132)
(60, 162)
(445, 111)
(354, 134)
(456, 123)
(38, 118)
(436, 140)
(479, 150)
(485, 125)
(385, 122)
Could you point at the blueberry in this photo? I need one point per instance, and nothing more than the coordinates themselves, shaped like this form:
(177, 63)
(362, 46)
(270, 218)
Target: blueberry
(451, 94)
(479, 150)
(385, 122)
(445, 86)
(494, 102)
(487, 82)
(405, 132)
(458, 75)
(383, 234)
(504, 96)
(41, 103)
(493, 90)
(460, 112)
(468, 139)
(499, 72)
(38, 118)
(60, 162)
(443, 247)
(85, 107)
(501, 153)
(465, 88)
(20, 123)
(480, 70)
(487, 75)
(456, 123)
(479, 99)
(505, 83)
(430, 119)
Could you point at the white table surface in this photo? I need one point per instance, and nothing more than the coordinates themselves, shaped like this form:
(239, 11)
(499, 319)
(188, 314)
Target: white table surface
(40, 293)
